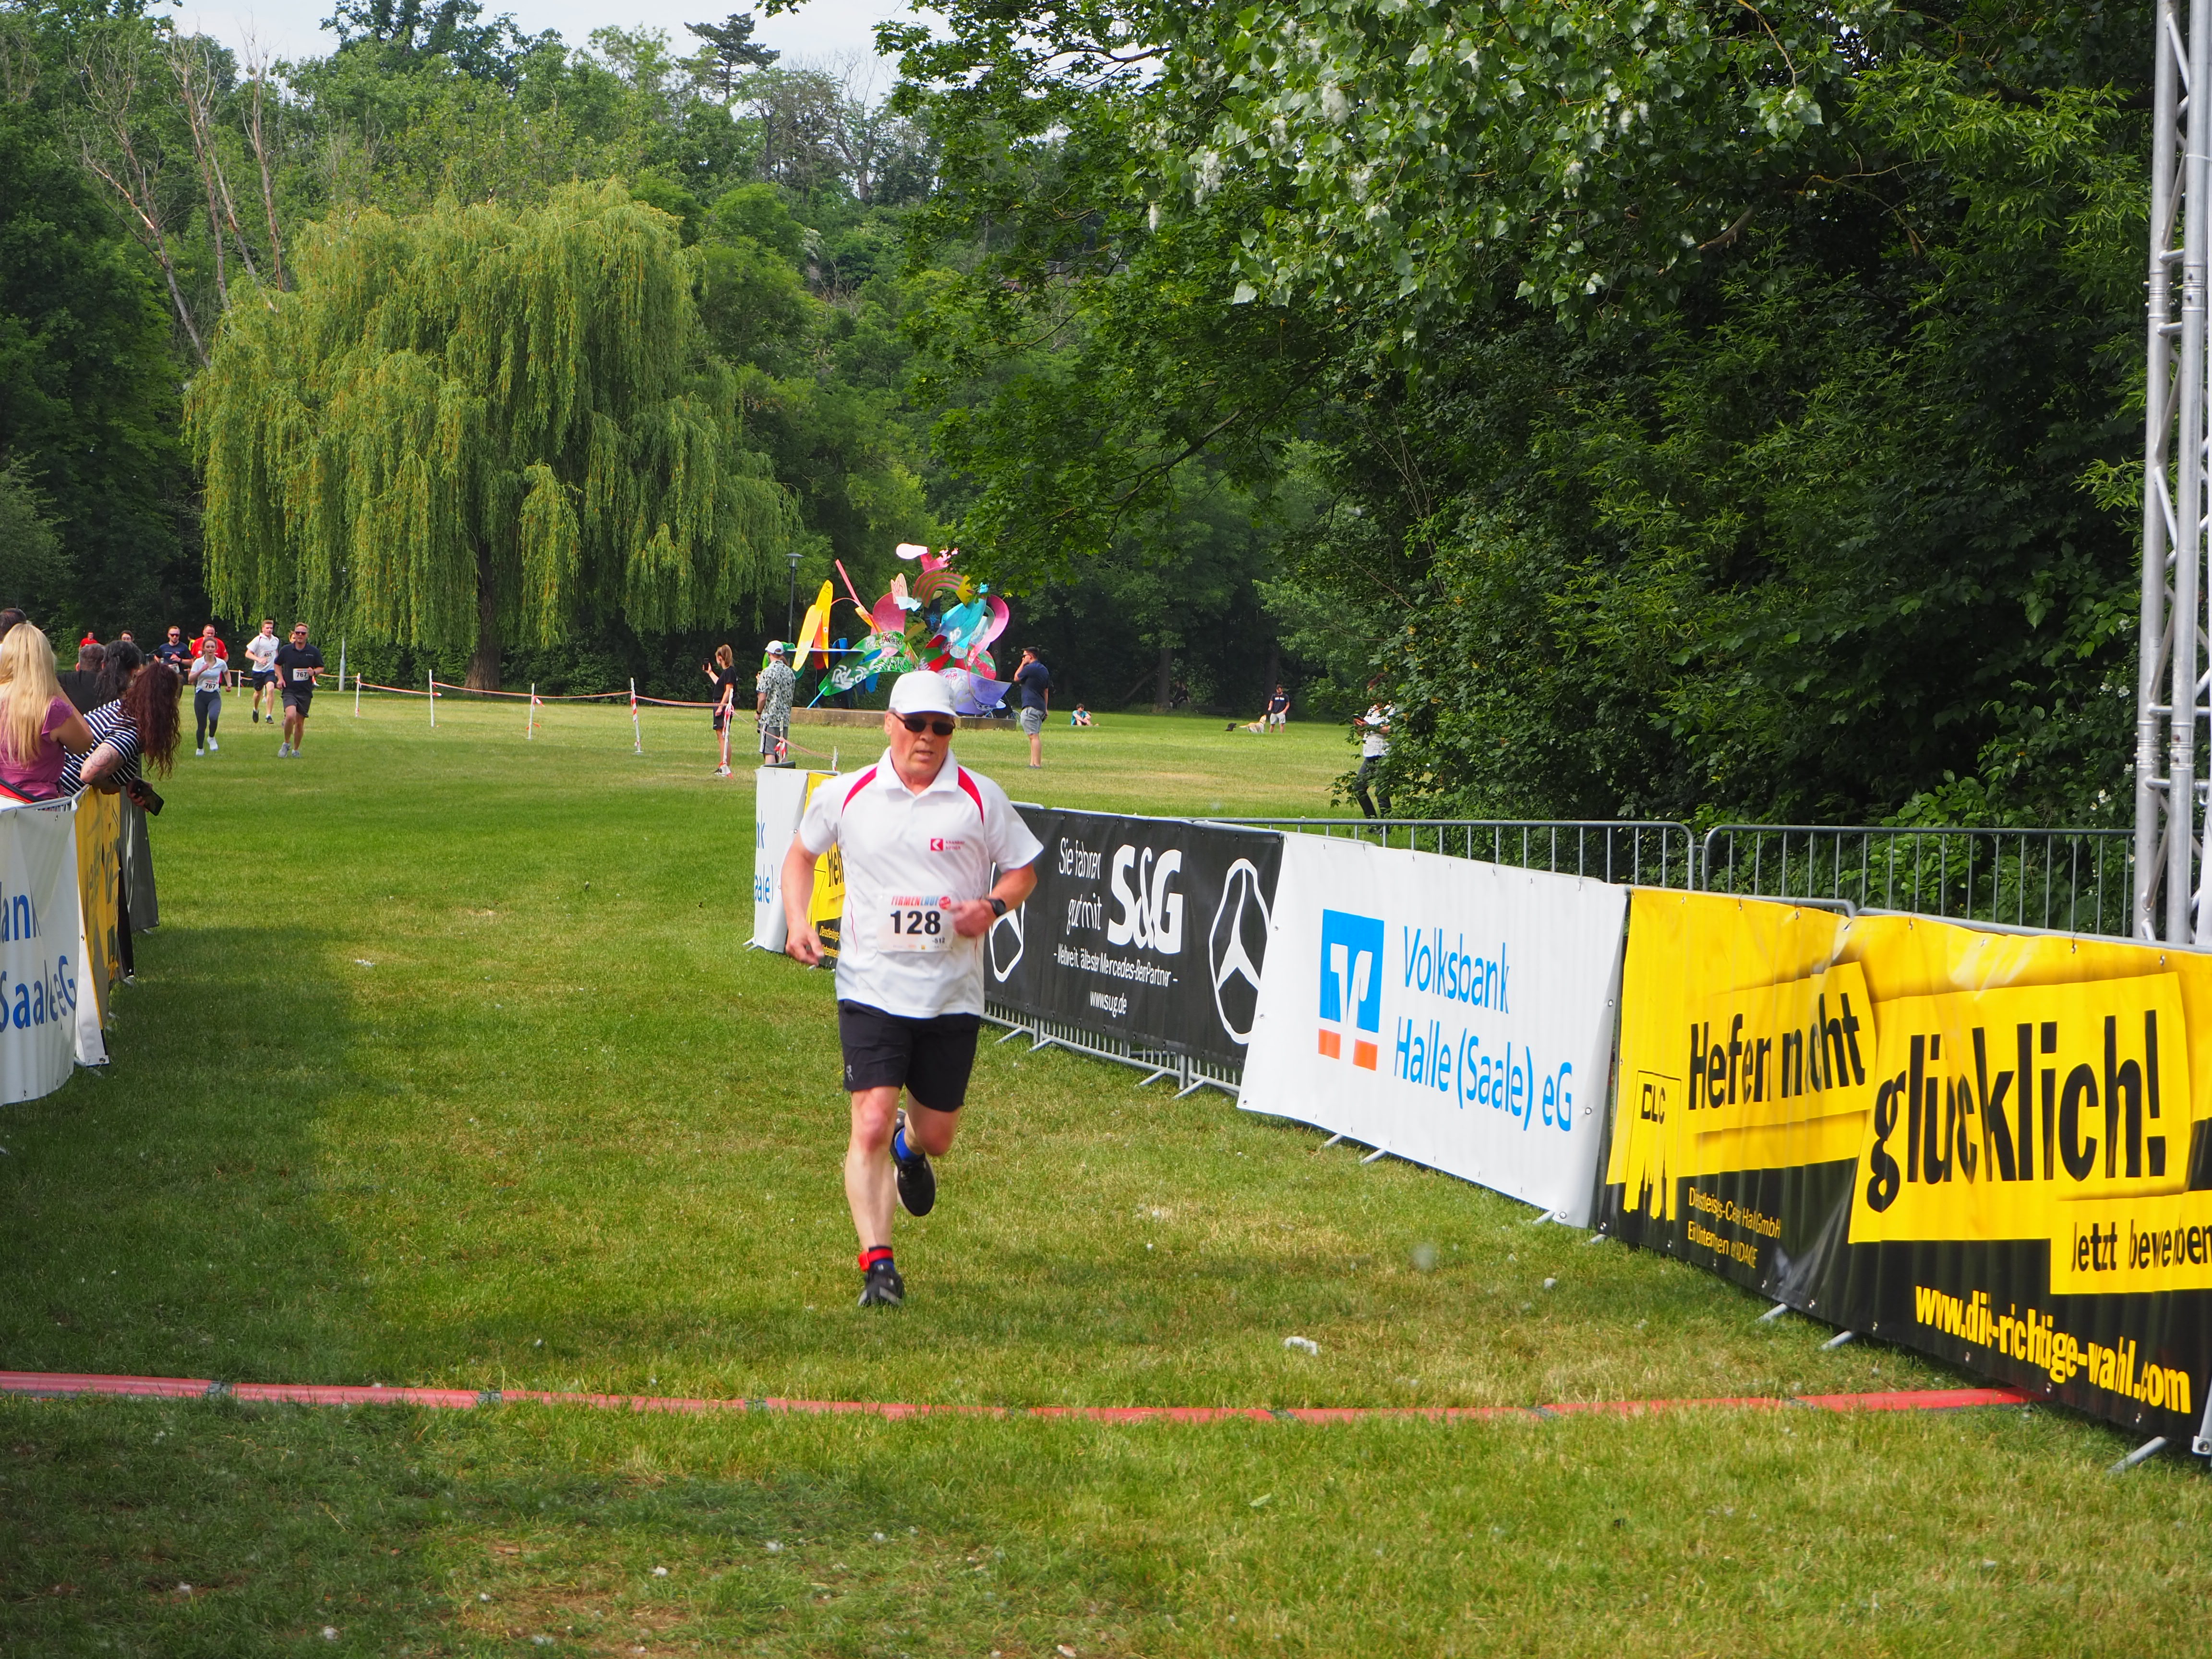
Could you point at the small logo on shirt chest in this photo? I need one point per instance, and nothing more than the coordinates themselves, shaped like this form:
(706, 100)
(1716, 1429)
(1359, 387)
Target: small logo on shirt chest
(946, 844)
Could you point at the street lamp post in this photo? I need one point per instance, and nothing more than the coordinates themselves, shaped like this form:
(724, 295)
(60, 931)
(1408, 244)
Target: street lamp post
(791, 606)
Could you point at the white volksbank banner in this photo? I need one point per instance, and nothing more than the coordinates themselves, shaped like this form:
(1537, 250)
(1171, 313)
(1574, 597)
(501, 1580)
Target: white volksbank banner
(1457, 1014)
(779, 793)
(42, 952)
(779, 801)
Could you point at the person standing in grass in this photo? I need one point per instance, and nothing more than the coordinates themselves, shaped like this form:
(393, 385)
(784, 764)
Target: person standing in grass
(81, 684)
(921, 837)
(1033, 692)
(172, 653)
(40, 729)
(205, 677)
(298, 665)
(138, 726)
(1374, 744)
(1278, 710)
(722, 675)
(261, 651)
(772, 695)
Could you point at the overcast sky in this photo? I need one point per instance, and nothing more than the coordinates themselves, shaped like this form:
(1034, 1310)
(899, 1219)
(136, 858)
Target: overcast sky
(819, 29)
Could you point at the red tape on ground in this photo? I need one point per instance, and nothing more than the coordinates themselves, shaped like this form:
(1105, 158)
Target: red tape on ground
(57, 1384)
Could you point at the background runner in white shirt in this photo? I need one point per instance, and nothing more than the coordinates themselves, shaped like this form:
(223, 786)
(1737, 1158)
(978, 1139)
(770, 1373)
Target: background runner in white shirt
(261, 652)
(921, 837)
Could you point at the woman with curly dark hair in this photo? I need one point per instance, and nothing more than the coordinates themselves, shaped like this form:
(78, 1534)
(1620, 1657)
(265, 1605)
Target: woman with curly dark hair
(141, 724)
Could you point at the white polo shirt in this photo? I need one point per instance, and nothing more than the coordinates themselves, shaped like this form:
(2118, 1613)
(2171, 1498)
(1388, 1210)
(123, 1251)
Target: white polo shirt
(909, 858)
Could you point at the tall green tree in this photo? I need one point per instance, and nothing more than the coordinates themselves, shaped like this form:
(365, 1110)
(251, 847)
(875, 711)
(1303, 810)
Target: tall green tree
(475, 426)
(88, 404)
(1724, 408)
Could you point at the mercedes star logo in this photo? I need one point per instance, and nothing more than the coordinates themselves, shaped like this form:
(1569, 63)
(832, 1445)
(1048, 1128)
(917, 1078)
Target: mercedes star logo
(1236, 945)
(1009, 926)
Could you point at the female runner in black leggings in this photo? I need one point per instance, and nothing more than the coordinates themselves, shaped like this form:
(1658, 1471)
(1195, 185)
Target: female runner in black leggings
(206, 676)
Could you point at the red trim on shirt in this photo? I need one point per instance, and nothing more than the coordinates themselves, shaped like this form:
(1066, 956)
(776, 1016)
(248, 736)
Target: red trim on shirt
(974, 794)
(858, 784)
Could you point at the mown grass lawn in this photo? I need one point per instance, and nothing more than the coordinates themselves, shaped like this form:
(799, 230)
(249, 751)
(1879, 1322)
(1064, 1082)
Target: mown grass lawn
(449, 1065)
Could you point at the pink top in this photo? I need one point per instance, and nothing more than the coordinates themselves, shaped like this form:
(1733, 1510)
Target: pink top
(40, 777)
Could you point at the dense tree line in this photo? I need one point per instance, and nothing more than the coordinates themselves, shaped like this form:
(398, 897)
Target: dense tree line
(197, 194)
(1704, 409)
(1686, 408)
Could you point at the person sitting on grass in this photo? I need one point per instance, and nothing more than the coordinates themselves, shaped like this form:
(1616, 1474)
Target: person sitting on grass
(1080, 717)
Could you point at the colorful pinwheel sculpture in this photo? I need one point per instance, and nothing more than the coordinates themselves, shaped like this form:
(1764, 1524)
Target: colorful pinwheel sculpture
(943, 620)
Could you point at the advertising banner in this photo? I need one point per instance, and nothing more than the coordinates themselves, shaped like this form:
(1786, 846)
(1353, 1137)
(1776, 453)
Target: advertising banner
(826, 909)
(139, 896)
(779, 797)
(41, 950)
(1458, 1014)
(1149, 929)
(1991, 1147)
(97, 821)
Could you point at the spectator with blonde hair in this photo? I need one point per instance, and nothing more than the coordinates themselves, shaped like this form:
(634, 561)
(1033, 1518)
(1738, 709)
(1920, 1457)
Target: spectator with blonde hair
(39, 729)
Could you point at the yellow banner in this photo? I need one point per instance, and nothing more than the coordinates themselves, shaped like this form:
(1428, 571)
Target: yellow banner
(826, 909)
(99, 865)
(1988, 1085)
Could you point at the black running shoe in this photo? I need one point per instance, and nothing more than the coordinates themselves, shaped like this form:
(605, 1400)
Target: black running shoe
(917, 1182)
(882, 1287)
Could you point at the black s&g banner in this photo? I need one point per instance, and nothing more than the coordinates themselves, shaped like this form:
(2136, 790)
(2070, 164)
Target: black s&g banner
(1148, 929)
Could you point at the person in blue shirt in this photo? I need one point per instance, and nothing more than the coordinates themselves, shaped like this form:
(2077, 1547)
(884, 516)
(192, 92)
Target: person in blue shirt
(1032, 697)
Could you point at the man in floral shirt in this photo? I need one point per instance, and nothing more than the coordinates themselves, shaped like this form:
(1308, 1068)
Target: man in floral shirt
(772, 706)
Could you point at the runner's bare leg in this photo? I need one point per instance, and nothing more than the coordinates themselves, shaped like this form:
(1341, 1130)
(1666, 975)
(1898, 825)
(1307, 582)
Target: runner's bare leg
(871, 1177)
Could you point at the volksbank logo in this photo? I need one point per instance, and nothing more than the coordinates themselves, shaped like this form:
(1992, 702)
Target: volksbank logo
(1351, 983)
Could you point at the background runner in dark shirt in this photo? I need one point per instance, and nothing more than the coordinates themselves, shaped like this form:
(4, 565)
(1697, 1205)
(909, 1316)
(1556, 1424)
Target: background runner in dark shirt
(297, 665)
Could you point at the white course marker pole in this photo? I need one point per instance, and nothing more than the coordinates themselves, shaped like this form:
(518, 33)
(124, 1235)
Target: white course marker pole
(342, 646)
(530, 731)
(431, 676)
(636, 731)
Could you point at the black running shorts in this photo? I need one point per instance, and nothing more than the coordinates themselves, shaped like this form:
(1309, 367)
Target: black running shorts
(299, 697)
(931, 1057)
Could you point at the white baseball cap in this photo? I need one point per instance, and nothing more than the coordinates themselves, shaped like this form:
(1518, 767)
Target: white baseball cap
(776, 648)
(920, 691)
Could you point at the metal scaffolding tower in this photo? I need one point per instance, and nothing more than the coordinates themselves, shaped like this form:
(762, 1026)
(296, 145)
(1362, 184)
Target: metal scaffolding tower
(2175, 505)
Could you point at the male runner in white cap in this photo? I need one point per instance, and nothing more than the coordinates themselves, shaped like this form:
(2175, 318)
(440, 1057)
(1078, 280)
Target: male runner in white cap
(922, 839)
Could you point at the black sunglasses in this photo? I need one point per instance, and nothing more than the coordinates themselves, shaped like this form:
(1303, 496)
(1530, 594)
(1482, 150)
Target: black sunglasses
(919, 724)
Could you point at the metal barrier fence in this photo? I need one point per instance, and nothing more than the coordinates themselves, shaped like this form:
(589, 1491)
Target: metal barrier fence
(2075, 881)
(1189, 1073)
(1648, 853)
(2078, 881)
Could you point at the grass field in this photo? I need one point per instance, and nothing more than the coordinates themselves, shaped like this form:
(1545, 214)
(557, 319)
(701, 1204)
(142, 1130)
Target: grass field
(448, 1065)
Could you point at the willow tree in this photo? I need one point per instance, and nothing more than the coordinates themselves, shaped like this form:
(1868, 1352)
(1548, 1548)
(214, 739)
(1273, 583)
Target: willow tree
(474, 426)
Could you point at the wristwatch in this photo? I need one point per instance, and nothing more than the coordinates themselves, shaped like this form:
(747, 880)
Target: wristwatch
(998, 906)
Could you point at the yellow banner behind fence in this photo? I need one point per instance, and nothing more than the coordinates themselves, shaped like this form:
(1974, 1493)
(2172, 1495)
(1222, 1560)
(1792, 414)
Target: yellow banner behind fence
(2038, 1099)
